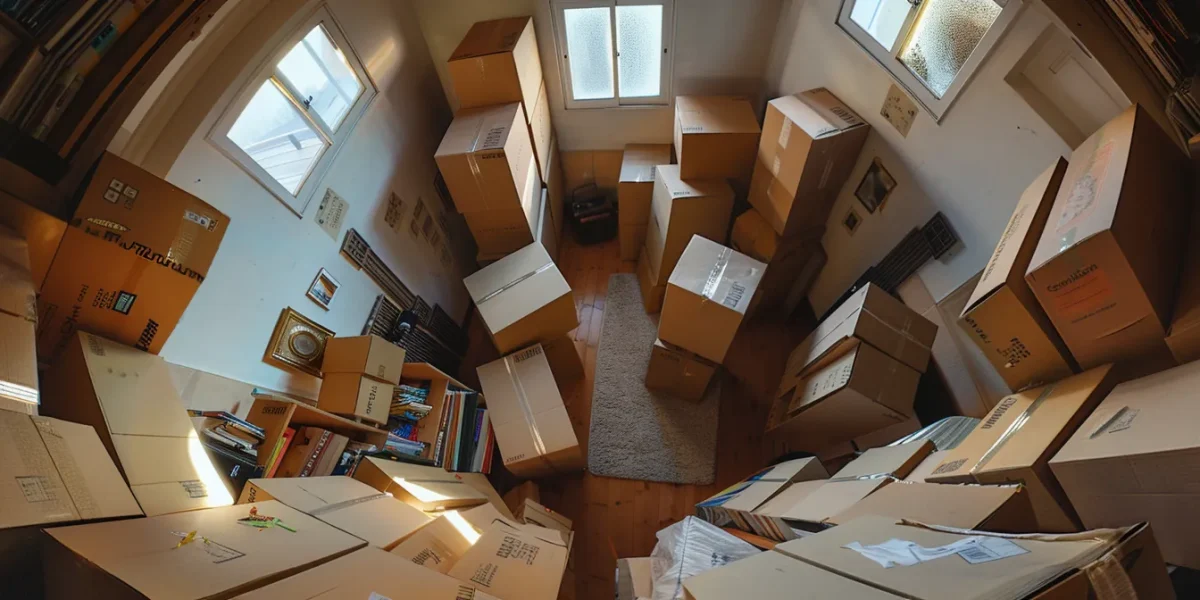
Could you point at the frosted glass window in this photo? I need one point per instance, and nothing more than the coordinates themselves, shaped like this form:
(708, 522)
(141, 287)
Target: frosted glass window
(589, 48)
(944, 37)
(318, 70)
(639, 50)
(883, 19)
(272, 132)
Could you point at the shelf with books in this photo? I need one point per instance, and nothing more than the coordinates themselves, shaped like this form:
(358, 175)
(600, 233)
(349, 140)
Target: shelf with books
(277, 416)
(454, 433)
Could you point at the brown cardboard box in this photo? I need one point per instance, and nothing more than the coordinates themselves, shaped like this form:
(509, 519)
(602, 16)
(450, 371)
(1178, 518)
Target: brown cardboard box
(545, 233)
(1183, 338)
(791, 272)
(1002, 316)
(875, 317)
(367, 354)
(775, 576)
(533, 513)
(128, 397)
(635, 578)
(499, 232)
(1016, 441)
(427, 488)
(137, 250)
(1131, 461)
(678, 372)
(861, 391)
(532, 427)
(497, 62)
(194, 554)
(1002, 508)
(565, 361)
(438, 545)
(485, 157)
(354, 394)
(711, 286)
(1106, 268)
(635, 193)
(368, 573)
(734, 505)
(752, 235)
(809, 145)
(927, 466)
(345, 503)
(18, 324)
(715, 137)
(482, 518)
(523, 299)
(652, 293)
(679, 210)
(513, 563)
(555, 188)
(891, 461)
(810, 505)
(541, 132)
(41, 232)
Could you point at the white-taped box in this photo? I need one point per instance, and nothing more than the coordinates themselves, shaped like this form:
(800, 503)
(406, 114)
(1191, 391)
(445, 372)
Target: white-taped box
(690, 547)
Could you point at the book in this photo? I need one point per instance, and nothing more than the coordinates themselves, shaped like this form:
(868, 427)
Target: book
(315, 456)
(467, 432)
(231, 420)
(281, 447)
(331, 455)
(53, 38)
(483, 436)
(303, 445)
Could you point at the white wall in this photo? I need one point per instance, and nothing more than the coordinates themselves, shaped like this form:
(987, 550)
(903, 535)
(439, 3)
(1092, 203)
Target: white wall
(721, 47)
(972, 166)
(269, 256)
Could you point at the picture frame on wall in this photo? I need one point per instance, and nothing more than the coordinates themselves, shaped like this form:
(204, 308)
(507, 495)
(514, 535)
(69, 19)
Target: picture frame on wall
(876, 185)
(297, 343)
(323, 289)
(851, 221)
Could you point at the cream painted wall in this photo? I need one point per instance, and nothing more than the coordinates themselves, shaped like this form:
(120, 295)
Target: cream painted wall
(972, 166)
(721, 47)
(269, 256)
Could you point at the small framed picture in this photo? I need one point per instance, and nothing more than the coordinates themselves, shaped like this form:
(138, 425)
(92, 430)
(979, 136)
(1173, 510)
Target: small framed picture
(323, 289)
(875, 187)
(851, 221)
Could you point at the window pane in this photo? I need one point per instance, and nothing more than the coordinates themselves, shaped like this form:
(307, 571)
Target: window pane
(274, 134)
(881, 18)
(639, 50)
(945, 35)
(589, 48)
(319, 71)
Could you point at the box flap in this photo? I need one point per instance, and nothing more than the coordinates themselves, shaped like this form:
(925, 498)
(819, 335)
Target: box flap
(817, 112)
(427, 484)
(134, 389)
(965, 506)
(791, 495)
(710, 270)
(1011, 257)
(491, 37)
(515, 286)
(479, 129)
(439, 544)
(88, 473)
(225, 554)
(639, 160)
(168, 474)
(715, 114)
(892, 461)
(509, 563)
(753, 491)
(482, 518)
(31, 490)
(775, 576)
(832, 498)
(692, 188)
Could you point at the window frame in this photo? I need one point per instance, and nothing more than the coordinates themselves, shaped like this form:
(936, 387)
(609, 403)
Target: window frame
(333, 140)
(889, 58)
(564, 62)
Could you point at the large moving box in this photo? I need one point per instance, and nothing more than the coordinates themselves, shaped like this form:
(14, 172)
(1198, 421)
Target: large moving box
(707, 296)
(426, 488)
(715, 137)
(485, 157)
(18, 326)
(496, 63)
(137, 250)
(533, 429)
(1000, 508)
(348, 504)
(1016, 441)
(793, 263)
(367, 354)
(734, 505)
(1133, 460)
(1107, 265)
(678, 372)
(1003, 316)
(810, 143)
(523, 299)
(357, 395)
(512, 563)
(369, 574)
(679, 210)
(128, 397)
(438, 545)
(635, 193)
(499, 232)
(555, 188)
(195, 554)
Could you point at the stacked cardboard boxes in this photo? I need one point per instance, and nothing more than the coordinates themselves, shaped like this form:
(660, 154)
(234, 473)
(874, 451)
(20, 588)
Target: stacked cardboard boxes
(523, 299)
(359, 375)
(635, 194)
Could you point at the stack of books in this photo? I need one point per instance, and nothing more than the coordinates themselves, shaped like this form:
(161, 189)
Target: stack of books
(231, 443)
(465, 441)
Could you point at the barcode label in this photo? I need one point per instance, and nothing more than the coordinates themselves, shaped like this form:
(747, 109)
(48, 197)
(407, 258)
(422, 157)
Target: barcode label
(735, 294)
(989, 549)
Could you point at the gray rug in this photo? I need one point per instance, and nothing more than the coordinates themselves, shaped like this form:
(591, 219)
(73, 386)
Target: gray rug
(637, 433)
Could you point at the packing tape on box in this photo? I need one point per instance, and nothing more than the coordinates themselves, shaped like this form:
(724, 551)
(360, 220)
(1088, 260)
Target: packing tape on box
(336, 506)
(523, 400)
(1013, 428)
(1109, 580)
(513, 283)
(716, 274)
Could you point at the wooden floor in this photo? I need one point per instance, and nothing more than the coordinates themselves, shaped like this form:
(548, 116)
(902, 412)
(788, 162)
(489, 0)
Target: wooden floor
(617, 518)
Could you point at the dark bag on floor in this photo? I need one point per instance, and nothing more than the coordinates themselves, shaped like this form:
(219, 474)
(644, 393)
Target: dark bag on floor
(593, 215)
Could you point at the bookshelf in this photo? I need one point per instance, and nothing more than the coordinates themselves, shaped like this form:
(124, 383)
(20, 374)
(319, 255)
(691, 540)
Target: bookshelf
(275, 415)
(45, 172)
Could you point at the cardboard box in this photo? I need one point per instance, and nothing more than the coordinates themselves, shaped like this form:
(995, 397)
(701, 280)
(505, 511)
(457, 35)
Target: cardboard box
(137, 250)
(438, 545)
(873, 316)
(427, 488)
(735, 504)
(1002, 317)
(679, 210)
(367, 573)
(495, 63)
(711, 285)
(1183, 337)
(652, 293)
(513, 563)
(752, 235)
(635, 578)
(860, 391)
(775, 576)
(1016, 441)
(1130, 461)
(927, 466)
(1107, 265)
(678, 372)
(791, 272)
(810, 505)
(565, 362)
(1001, 508)
(367, 354)
(128, 397)
(532, 427)
(635, 193)
(482, 518)
(533, 513)
(356, 395)
(18, 364)
(195, 554)
(715, 137)
(555, 188)
(499, 232)
(809, 145)
(485, 158)
(545, 233)
(891, 461)
(541, 132)
(523, 299)
(345, 503)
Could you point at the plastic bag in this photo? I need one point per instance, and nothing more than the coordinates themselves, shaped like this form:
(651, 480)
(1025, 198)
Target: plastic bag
(690, 547)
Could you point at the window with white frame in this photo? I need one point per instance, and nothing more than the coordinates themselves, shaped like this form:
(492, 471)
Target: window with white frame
(287, 125)
(615, 52)
(931, 47)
